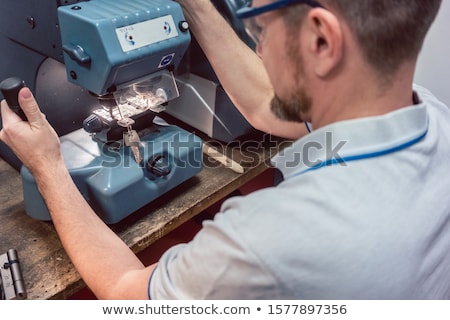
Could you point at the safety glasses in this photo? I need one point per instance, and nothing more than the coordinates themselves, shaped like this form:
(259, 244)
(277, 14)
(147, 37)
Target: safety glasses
(248, 13)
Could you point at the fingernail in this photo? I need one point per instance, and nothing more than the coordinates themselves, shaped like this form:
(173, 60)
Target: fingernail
(26, 93)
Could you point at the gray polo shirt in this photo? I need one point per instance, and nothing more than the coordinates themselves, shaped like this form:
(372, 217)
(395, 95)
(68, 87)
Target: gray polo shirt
(363, 213)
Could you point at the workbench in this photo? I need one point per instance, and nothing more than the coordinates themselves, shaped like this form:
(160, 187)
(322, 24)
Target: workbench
(47, 270)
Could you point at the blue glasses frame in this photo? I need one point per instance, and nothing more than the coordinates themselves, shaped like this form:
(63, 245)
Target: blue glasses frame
(248, 12)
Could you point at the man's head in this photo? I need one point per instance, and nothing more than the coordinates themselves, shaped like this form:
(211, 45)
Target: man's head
(325, 41)
(389, 32)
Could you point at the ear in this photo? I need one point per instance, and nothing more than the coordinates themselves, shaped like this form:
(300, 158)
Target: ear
(325, 41)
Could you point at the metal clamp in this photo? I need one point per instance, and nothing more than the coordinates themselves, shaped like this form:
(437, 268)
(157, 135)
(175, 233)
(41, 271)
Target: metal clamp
(11, 280)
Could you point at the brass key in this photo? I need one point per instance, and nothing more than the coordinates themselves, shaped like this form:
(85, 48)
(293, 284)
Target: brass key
(132, 140)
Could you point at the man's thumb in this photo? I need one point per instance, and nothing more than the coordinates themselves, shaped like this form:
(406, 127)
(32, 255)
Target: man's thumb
(29, 105)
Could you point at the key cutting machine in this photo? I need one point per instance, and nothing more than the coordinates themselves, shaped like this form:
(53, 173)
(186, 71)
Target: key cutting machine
(101, 70)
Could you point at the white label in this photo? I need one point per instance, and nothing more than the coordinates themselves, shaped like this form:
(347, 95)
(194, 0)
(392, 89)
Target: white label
(142, 34)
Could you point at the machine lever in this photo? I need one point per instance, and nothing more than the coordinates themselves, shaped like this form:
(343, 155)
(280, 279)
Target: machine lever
(77, 54)
(10, 89)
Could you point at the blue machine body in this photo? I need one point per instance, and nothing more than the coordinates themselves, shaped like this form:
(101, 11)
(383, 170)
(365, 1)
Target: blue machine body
(108, 43)
(110, 179)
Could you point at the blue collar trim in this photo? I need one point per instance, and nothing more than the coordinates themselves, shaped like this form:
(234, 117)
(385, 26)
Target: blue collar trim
(380, 153)
(353, 140)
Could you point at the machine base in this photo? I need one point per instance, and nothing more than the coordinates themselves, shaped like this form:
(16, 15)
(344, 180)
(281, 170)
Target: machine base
(109, 178)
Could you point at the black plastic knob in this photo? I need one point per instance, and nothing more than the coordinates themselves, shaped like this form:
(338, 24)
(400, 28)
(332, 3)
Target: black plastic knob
(10, 89)
(93, 124)
(159, 166)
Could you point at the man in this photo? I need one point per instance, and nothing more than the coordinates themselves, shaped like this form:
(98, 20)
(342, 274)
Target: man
(363, 211)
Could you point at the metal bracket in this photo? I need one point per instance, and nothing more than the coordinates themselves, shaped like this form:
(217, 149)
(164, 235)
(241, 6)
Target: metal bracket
(11, 280)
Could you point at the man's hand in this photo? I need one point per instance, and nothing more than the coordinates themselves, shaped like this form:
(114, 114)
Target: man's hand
(34, 142)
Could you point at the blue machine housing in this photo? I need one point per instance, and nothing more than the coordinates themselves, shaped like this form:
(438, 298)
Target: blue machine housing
(106, 42)
(109, 45)
(111, 181)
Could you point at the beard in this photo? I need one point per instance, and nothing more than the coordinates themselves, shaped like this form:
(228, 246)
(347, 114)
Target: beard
(298, 103)
(293, 108)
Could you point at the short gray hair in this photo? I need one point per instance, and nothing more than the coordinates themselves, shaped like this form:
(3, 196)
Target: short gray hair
(389, 32)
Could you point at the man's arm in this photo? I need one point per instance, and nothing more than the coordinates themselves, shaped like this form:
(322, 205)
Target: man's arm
(240, 71)
(104, 261)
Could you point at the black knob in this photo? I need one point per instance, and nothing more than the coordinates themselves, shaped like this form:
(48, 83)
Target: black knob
(92, 124)
(159, 166)
(184, 26)
(10, 89)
